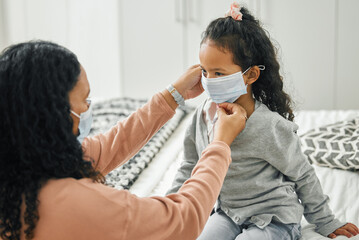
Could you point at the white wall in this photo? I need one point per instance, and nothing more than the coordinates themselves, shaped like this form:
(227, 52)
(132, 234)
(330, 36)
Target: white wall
(2, 27)
(318, 49)
(90, 28)
(347, 55)
(305, 32)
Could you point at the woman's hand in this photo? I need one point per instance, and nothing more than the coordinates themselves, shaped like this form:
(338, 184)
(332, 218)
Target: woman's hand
(347, 230)
(231, 121)
(189, 84)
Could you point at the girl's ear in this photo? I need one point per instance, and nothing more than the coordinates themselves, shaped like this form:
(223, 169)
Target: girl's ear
(252, 75)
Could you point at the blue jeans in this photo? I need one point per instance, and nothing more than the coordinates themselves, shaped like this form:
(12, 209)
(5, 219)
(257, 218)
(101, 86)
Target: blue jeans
(221, 227)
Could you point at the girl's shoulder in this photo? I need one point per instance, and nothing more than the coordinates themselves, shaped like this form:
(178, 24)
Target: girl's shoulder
(263, 117)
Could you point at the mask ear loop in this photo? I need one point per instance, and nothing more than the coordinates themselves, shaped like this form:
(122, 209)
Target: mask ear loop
(89, 105)
(245, 73)
(261, 67)
(78, 116)
(246, 70)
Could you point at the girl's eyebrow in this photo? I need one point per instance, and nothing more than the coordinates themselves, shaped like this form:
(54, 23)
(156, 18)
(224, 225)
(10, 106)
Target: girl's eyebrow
(214, 69)
(217, 69)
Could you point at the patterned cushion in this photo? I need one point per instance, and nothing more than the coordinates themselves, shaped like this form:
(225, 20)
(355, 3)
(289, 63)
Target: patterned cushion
(107, 113)
(335, 145)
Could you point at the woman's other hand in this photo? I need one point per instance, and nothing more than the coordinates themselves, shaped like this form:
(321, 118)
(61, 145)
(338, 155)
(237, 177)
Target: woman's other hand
(231, 121)
(189, 84)
(347, 230)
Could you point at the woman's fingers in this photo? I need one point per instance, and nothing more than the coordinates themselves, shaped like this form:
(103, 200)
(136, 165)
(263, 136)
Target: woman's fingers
(233, 108)
(231, 121)
(221, 112)
(189, 84)
(228, 107)
(194, 66)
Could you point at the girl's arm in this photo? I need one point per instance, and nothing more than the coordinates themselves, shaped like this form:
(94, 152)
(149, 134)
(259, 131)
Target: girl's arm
(289, 159)
(124, 140)
(190, 157)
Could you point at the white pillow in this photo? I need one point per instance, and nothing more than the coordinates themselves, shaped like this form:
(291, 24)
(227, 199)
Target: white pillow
(335, 145)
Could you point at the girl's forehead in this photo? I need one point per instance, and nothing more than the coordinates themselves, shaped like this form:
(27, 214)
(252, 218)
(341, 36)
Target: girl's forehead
(210, 54)
(213, 44)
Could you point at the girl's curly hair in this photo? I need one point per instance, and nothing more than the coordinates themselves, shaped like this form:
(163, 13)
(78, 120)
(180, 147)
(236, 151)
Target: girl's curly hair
(36, 140)
(250, 46)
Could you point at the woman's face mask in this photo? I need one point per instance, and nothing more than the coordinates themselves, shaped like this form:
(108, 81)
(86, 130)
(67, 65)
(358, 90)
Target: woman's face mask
(85, 122)
(225, 89)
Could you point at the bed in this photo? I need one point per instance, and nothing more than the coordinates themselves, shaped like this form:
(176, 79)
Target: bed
(157, 171)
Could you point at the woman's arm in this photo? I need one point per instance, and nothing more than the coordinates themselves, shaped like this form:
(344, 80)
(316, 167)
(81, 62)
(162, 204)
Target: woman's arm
(124, 140)
(82, 209)
(182, 215)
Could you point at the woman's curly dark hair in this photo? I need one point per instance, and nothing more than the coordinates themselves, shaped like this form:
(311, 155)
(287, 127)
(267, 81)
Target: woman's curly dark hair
(36, 140)
(250, 46)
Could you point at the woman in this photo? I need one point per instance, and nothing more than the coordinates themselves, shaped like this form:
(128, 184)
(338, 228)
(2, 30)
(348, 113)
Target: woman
(51, 184)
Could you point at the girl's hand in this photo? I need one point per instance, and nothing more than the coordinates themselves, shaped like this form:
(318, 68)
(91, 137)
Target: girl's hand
(348, 230)
(189, 84)
(231, 121)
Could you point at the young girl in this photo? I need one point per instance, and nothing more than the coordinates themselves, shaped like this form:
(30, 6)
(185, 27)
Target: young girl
(270, 184)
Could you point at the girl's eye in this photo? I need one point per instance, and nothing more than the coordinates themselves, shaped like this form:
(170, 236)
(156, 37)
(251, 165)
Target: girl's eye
(219, 74)
(204, 72)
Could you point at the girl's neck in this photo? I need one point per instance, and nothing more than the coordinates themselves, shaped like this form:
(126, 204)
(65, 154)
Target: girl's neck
(247, 102)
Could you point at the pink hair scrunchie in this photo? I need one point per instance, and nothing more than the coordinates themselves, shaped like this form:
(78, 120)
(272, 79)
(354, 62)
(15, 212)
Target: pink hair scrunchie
(234, 12)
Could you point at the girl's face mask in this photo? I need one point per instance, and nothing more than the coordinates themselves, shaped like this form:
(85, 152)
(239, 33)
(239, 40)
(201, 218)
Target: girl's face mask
(85, 122)
(225, 89)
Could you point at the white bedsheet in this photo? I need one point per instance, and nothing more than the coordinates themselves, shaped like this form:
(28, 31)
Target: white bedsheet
(154, 174)
(341, 186)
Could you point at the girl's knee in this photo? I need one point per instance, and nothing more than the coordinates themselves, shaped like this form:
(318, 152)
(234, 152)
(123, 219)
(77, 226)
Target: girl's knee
(271, 232)
(253, 233)
(219, 226)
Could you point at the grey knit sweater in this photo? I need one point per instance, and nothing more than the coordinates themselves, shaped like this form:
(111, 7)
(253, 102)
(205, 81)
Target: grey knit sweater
(269, 177)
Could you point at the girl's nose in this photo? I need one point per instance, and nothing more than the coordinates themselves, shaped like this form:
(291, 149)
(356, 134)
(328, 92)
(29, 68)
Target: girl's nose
(209, 75)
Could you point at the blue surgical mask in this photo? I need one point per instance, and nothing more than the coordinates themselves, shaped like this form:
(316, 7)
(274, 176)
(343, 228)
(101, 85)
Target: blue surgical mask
(225, 89)
(85, 122)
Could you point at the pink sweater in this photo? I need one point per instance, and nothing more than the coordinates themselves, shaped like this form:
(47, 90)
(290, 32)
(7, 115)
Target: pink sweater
(81, 209)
